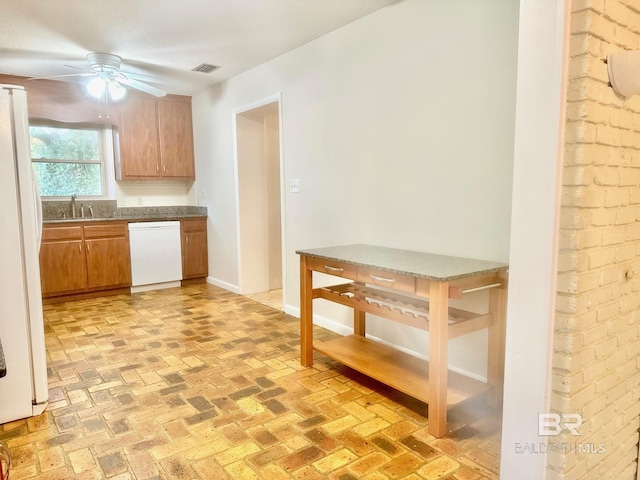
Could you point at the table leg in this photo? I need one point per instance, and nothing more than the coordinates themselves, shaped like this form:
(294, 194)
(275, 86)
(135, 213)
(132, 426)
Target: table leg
(359, 322)
(497, 335)
(359, 317)
(438, 357)
(306, 313)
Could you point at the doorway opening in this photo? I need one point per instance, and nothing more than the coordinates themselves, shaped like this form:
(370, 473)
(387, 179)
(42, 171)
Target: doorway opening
(259, 202)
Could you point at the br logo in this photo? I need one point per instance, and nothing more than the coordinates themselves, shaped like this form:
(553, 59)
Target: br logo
(552, 424)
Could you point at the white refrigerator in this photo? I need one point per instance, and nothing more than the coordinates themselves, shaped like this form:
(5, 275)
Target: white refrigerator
(23, 388)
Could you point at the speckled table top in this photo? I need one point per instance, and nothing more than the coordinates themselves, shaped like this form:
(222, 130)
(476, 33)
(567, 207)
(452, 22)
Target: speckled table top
(441, 268)
(3, 364)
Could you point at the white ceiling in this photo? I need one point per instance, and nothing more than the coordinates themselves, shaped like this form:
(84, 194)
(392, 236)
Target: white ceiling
(165, 38)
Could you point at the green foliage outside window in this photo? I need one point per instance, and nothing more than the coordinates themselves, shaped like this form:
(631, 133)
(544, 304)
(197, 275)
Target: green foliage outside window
(67, 160)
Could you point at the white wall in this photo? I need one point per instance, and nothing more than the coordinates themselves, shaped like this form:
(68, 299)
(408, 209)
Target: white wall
(400, 128)
(154, 193)
(273, 191)
(252, 171)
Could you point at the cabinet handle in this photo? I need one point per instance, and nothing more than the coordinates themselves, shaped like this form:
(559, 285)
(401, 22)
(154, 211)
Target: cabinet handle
(329, 268)
(87, 248)
(164, 169)
(377, 279)
(80, 247)
(157, 168)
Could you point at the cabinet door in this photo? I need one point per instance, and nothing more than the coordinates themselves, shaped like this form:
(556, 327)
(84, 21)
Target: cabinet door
(195, 263)
(62, 267)
(176, 137)
(108, 262)
(138, 133)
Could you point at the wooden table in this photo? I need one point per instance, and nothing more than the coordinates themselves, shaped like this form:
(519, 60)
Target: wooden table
(414, 289)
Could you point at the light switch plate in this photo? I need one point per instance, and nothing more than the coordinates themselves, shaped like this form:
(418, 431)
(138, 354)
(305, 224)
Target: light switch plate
(294, 185)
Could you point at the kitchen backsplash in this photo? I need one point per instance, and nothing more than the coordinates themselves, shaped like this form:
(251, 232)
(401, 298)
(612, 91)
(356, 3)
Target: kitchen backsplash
(56, 210)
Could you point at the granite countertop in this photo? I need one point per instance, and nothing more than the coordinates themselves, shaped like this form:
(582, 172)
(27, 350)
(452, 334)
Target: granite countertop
(440, 268)
(124, 218)
(105, 211)
(3, 364)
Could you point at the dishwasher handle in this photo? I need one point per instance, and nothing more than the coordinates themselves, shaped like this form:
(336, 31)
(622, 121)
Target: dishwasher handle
(153, 225)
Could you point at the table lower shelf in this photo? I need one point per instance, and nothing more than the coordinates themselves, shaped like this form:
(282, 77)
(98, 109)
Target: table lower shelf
(397, 369)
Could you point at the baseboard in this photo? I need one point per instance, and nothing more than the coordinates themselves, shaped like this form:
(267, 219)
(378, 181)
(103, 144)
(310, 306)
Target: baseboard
(155, 286)
(422, 356)
(223, 284)
(291, 310)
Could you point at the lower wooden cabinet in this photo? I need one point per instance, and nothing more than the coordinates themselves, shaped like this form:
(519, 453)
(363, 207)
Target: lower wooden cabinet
(195, 264)
(76, 259)
(108, 255)
(79, 260)
(62, 261)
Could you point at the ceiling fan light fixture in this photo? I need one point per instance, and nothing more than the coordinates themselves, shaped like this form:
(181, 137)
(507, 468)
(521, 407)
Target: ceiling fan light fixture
(96, 87)
(116, 91)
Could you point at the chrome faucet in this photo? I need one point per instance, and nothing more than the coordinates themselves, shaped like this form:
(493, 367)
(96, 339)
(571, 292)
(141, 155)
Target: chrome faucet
(73, 205)
(90, 210)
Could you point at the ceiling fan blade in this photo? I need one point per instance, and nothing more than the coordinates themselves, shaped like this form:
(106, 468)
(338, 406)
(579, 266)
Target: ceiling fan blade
(156, 92)
(62, 76)
(142, 77)
(79, 68)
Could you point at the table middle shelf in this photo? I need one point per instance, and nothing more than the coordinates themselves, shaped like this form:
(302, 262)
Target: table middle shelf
(401, 308)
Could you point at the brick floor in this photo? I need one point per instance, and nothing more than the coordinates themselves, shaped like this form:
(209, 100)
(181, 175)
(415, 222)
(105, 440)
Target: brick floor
(200, 383)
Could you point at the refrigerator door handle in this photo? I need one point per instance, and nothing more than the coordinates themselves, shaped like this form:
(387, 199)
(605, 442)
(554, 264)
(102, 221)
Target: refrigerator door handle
(38, 206)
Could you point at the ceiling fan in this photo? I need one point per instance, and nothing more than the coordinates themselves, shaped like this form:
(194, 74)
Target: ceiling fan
(109, 79)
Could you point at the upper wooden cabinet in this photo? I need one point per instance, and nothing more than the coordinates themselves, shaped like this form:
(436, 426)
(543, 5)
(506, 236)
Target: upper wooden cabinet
(176, 137)
(155, 139)
(138, 139)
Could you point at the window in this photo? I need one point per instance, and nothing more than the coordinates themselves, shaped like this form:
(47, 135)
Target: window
(70, 160)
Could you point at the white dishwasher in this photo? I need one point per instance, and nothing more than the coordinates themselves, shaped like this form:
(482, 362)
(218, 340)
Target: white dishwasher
(156, 255)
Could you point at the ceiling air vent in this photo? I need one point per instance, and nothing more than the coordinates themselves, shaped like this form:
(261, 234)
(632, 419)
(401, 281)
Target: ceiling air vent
(205, 68)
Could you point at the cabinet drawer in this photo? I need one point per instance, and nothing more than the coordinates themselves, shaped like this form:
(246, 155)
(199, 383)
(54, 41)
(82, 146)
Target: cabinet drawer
(105, 231)
(334, 268)
(385, 279)
(199, 225)
(53, 234)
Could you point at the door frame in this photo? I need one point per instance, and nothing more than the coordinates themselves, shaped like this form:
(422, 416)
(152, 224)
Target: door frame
(275, 98)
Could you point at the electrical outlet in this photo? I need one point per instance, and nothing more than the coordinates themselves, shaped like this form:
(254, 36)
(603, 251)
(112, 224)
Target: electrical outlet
(139, 200)
(294, 185)
(202, 196)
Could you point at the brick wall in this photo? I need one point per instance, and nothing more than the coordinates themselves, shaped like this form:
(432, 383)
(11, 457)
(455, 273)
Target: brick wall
(596, 363)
